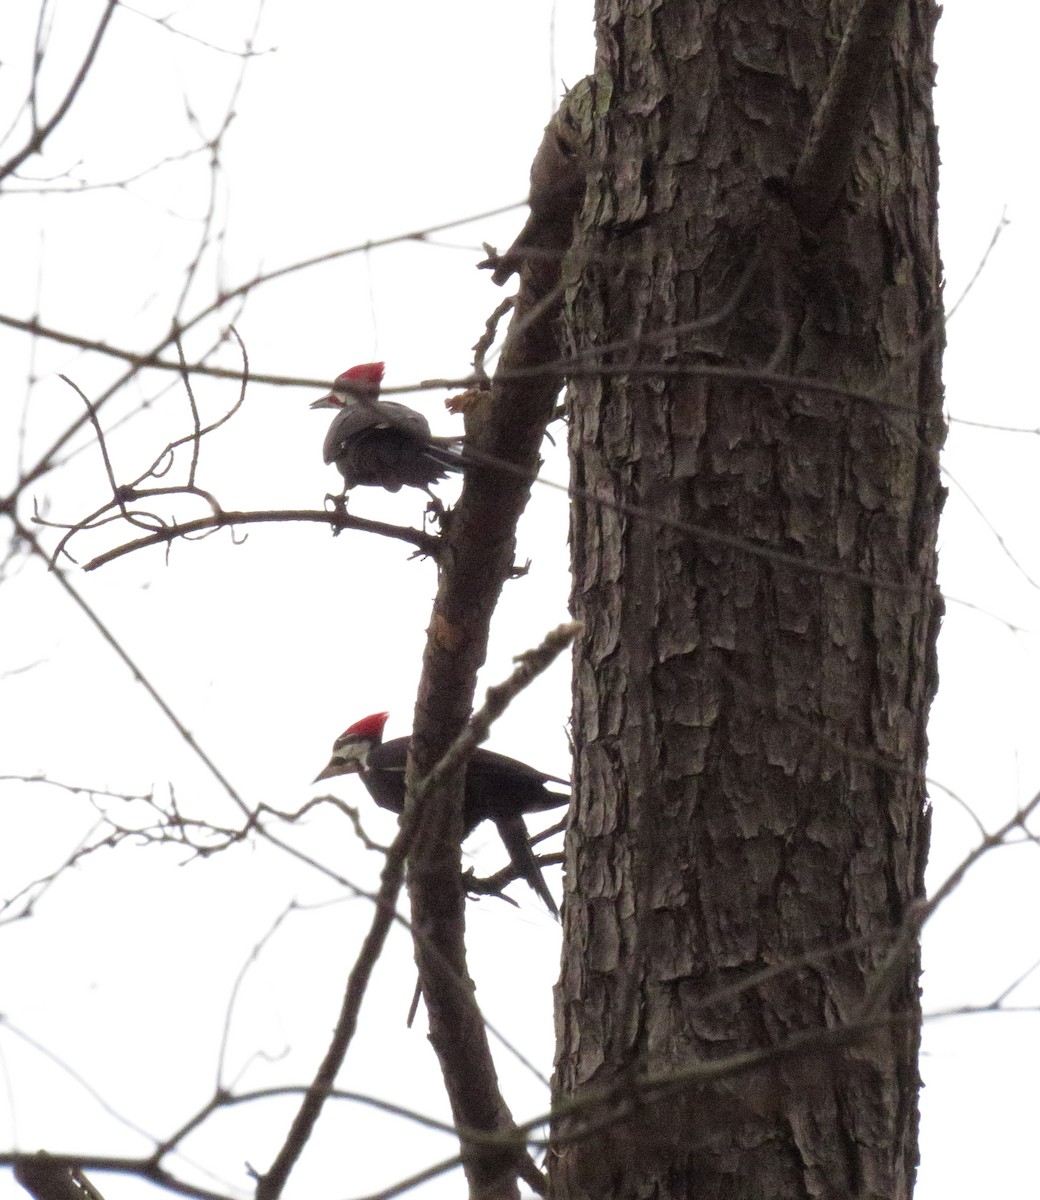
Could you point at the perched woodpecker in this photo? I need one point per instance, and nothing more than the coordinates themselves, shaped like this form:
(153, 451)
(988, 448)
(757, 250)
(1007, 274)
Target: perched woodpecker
(498, 789)
(377, 443)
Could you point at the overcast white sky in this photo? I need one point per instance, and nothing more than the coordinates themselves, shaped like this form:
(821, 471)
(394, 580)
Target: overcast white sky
(365, 122)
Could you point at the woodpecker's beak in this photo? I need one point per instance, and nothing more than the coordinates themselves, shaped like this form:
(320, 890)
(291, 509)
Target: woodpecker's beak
(338, 766)
(330, 400)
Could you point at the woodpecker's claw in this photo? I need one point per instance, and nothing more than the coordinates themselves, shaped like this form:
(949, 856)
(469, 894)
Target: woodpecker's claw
(338, 510)
(473, 885)
(435, 510)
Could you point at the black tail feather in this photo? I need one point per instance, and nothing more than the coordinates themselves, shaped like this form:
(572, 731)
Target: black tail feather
(513, 833)
(447, 456)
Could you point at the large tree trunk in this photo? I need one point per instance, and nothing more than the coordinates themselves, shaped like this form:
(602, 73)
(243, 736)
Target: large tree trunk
(749, 828)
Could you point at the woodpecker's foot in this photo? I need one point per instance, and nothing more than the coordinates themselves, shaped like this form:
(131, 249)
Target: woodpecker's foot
(435, 513)
(338, 510)
(492, 886)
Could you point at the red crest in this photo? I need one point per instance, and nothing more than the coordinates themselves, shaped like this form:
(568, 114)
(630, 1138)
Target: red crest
(370, 373)
(371, 726)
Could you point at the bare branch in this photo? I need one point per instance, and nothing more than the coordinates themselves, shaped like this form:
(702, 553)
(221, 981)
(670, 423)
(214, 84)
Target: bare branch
(493, 885)
(271, 1184)
(427, 543)
(98, 431)
(1001, 225)
(74, 1075)
(30, 539)
(484, 343)
(887, 972)
(40, 133)
(508, 425)
(530, 664)
(166, 24)
(46, 1178)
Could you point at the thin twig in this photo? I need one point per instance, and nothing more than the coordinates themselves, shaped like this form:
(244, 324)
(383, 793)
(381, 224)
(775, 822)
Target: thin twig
(40, 133)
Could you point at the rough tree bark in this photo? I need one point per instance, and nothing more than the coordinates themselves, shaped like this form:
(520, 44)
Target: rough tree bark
(749, 827)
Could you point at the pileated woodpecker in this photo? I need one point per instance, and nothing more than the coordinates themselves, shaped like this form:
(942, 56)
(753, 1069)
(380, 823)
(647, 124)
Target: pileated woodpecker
(379, 443)
(498, 789)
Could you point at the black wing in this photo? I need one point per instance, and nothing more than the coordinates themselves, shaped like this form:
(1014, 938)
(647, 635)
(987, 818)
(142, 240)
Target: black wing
(497, 787)
(358, 419)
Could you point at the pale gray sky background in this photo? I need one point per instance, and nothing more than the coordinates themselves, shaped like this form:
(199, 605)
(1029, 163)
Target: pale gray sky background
(368, 121)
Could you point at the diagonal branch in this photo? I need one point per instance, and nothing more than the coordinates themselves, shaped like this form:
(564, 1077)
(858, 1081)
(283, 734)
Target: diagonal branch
(530, 665)
(477, 554)
(41, 133)
(46, 1178)
(271, 1184)
(30, 540)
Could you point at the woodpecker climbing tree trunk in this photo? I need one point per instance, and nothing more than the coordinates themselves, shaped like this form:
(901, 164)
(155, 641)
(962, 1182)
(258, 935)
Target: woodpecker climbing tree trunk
(749, 829)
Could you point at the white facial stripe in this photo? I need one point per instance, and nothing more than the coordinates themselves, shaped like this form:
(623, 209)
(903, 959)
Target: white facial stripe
(349, 751)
